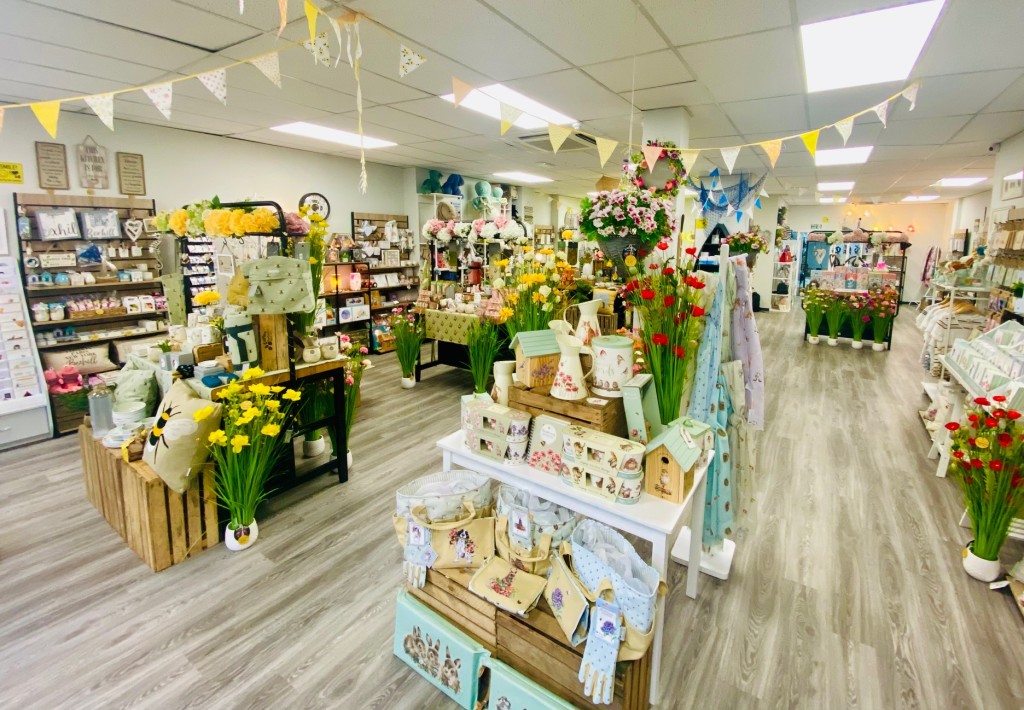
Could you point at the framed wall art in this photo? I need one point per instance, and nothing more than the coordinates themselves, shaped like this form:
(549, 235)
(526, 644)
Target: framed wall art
(52, 164)
(92, 165)
(57, 223)
(391, 257)
(100, 224)
(131, 174)
(1012, 186)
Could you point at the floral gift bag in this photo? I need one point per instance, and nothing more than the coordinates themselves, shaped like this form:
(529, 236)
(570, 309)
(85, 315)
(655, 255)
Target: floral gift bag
(568, 602)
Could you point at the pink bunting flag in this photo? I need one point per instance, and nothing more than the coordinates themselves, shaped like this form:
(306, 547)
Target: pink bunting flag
(772, 148)
(651, 155)
(161, 96)
(217, 83)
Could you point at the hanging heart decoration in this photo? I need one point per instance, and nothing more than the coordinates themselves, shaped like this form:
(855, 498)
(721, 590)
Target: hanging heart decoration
(133, 228)
(671, 155)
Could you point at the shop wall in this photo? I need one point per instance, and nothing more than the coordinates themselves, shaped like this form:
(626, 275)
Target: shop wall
(1009, 160)
(933, 225)
(969, 209)
(185, 166)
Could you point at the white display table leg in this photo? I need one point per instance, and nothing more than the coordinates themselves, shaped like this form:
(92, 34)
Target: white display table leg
(446, 461)
(659, 561)
(697, 527)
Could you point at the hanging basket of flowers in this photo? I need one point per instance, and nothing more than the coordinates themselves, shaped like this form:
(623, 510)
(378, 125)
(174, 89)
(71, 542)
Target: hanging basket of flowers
(626, 223)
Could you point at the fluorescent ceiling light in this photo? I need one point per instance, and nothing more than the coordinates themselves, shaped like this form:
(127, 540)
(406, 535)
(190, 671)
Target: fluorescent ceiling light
(832, 200)
(959, 181)
(843, 156)
(488, 99)
(831, 62)
(331, 135)
(920, 198)
(835, 186)
(1015, 176)
(522, 177)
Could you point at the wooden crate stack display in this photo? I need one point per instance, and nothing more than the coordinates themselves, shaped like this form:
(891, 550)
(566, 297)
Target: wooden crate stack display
(273, 336)
(160, 525)
(534, 645)
(609, 417)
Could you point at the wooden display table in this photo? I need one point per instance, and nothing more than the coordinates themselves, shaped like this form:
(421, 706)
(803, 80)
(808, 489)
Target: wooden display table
(160, 525)
(652, 519)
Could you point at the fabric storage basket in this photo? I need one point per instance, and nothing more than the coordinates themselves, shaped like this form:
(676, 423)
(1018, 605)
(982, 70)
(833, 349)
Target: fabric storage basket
(439, 652)
(444, 493)
(546, 517)
(511, 690)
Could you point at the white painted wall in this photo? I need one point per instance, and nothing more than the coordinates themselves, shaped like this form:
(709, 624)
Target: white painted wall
(933, 225)
(184, 166)
(973, 207)
(1009, 160)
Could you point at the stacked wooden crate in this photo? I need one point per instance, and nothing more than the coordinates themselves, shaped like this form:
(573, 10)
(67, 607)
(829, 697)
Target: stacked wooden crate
(607, 415)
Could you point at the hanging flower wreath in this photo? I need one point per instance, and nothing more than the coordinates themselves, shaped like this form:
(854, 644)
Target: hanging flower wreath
(670, 154)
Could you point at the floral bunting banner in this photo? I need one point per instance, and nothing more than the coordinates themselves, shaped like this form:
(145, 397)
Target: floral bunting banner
(103, 106)
(282, 9)
(910, 94)
(161, 96)
(557, 135)
(772, 148)
(729, 155)
(509, 115)
(270, 66)
(605, 148)
(651, 155)
(689, 158)
(810, 140)
(311, 12)
(217, 83)
(460, 90)
(337, 33)
(47, 113)
(882, 111)
(845, 128)
(408, 61)
(320, 50)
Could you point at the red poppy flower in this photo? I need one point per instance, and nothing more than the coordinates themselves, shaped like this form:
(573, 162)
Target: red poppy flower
(653, 267)
(972, 417)
(982, 401)
(970, 441)
(679, 318)
(659, 339)
(999, 413)
(669, 301)
(668, 271)
(647, 294)
(698, 285)
(692, 251)
(998, 398)
(680, 353)
(1016, 481)
(969, 480)
(663, 245)
(989, 421)
(1004, 439)
(1013, 414)
(697, 311)
(977, 463)
(995, 465)
(958, 454)
(642, 253)
(952, 426)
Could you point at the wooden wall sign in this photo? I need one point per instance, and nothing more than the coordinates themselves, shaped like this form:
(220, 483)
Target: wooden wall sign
(92, 165)
(131, 174)
(52, 164)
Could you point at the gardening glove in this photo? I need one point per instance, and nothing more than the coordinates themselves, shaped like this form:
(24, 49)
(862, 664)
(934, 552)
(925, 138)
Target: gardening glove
(597, 671)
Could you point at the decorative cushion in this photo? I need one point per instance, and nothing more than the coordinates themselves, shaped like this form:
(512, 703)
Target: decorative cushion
(88, 360)
(177, 444)
(139, 385)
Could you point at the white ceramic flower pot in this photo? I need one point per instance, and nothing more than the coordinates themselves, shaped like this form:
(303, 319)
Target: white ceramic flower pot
(878, 347)
(311, 354)
(504, 370)
(348, 458)
(983, 570)
(856, 345)
(314, 448)
(813, 339)
(833, 341)
(242, 537)
(409, 382)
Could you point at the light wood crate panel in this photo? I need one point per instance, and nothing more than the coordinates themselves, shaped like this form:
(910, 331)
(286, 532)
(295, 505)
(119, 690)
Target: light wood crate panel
(610, 418)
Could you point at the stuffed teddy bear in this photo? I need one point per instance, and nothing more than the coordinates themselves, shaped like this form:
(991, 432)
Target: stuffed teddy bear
(453, 185)
(432, 184)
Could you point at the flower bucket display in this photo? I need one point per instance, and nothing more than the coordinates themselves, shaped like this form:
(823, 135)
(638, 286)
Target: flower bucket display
(882, 309)
(408, 331)
(859, 309)
(813, 301)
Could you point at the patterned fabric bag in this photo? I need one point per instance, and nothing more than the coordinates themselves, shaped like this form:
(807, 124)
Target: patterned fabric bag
(568, 602)
(278, 285)
(507, 587)
(444, 495)
(532, 560)
(463, 543)
(531, 521)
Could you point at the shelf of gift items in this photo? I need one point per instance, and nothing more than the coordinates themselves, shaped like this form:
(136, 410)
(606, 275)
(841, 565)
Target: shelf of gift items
(972, 293)
(96, 320)
(92, 341)
(392, 304)
(384, 269)
(39, 291)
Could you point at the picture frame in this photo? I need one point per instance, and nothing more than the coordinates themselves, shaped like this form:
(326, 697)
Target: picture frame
(100, 224)
(92, 165)
(391, 257)
(57, 223)
(226, 264)
(1011, 186)
(52, 166)
(131, 174)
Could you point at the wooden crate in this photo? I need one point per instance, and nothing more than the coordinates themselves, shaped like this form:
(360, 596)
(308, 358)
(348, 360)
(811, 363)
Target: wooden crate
(533, 645)
(160, 525)
(609, 418)
(273, 335)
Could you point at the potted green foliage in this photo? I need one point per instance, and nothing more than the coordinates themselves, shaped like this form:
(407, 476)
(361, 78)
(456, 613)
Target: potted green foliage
(408, 333)
(836, 311)
(860, 316)
(484, 341)
(882, 305)
(813, 302)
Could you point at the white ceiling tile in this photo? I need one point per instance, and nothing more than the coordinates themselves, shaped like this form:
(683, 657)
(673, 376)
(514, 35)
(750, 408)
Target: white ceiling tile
(921, 131)
(967, 149)
(992, 127)
(651, 70)
(783, 115)
(737, 69)
(709, 121)
(691, 93)
(1010, 100)
(396, 117)
(826, 107)
(808, 11)
(444, 112)
(957, 94)
(989, 32)
(690, 21)
(572, 93)
(261, 14)
(22, 49)
(67, 83)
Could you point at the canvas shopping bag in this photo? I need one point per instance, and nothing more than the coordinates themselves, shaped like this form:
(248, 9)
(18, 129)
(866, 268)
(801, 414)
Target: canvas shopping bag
(444, 495)
(534, 561)
(568, 602)
(506, 586)
(279, 285)
(463, 543)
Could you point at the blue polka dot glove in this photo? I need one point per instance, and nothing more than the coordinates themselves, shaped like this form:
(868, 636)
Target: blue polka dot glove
(597, 671)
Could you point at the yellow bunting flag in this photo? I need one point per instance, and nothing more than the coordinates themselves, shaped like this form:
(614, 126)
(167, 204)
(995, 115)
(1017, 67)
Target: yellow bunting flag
(311, 12)
(772, 148)
(48, 113)
(689, 158)
(651, 155)
(605, 148)
(810, 140)
(557, 134)
(282, 8)
(509, 115)
(460, 89)
(729, 155)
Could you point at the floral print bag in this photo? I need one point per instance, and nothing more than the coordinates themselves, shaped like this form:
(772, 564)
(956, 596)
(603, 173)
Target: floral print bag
(463, 543)
(507, 586)
(567, 600)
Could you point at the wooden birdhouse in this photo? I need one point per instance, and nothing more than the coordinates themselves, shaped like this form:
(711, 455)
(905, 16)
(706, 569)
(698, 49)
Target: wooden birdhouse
(537, 355)
(672, 457)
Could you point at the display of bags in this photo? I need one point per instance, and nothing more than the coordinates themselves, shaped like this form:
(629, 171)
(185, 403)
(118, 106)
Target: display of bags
(507, 586)
(443, 495)
(567, 600)
(463, 543)
(278, 285)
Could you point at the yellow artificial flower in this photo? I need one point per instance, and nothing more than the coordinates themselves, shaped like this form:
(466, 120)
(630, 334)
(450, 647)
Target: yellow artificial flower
(315, 217)
(500, 262)
(239, 442)
(218, 437)
(237, 222)
(566, 234)
(546, 252)
(206, 298)
(312, 260)
(504, 314)
(250, 414)
(270, 430)
(245, 405)
(981, 442)
(527, 249)
(273, 405)
(512, 298)
(252, 373)
(538, 297)
(563, 265)
(201, 414)
(291, 395)
(276, 388)
(178, 222)
(259, 389)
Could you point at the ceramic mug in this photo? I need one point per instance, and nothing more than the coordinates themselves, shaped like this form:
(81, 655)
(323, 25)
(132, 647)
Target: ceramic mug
(613, 364)
(329, 351)
(311, 354)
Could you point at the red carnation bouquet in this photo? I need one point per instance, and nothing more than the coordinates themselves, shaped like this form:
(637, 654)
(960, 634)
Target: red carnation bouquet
(668, 300)
(989, 451)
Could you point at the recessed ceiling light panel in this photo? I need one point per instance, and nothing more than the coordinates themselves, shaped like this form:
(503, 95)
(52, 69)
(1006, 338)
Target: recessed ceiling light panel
(528, 178)
(331, 135)
(920, 198)
(959, 181)
(488, 99)
(831, 63)
(835, 186)
(832, 200)
(843, 156)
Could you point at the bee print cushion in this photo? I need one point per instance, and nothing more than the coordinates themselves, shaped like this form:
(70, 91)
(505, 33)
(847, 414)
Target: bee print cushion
(177, 443)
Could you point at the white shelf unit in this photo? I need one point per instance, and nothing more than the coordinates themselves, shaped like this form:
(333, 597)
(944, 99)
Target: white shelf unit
(784, 272)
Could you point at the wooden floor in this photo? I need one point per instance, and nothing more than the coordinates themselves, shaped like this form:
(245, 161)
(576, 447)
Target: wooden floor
(847, 589)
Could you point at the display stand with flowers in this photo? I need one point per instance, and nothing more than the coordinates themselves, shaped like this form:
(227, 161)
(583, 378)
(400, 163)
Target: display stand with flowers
(836, 312)
(883, 306)
(750, 243)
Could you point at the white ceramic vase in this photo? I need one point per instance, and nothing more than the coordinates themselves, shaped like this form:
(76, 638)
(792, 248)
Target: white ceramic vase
(503, 372)
(409, 382)
(982, 570)
(856, 345)
(833, 342)
(878, 347)
(311, 449)
(813, 339)
(242, 537)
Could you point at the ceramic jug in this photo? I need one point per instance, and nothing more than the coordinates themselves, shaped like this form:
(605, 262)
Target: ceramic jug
(570, 381)
(503, 371)
(588, 328)
(613, 364)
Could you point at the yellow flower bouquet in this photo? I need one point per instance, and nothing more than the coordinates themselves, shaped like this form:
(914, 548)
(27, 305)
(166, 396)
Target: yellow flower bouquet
(208, 218)
(531, 293)
(250, 443)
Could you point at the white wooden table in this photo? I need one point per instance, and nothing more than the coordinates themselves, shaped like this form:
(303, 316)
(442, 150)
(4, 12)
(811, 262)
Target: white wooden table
(650, 519)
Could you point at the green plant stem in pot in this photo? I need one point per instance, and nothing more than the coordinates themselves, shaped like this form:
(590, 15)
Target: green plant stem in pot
(484, 343)
(882, 308)
(408, 332)
(813, 301)
(317, 405)
(836, 312)
(860, 315)
(316, 239)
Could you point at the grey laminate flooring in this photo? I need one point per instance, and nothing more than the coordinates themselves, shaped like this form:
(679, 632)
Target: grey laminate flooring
(846, 591)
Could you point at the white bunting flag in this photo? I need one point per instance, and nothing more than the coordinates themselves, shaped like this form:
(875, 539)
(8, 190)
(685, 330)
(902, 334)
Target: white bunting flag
(320, 50)
(408, 61)
(1, 119)
(217, 83)
(557, 135)
(509, 115)
(605, 148)
(882, 111)
(845, 128)
(161, 96)
(103, 106)
(764, 193)
(729, 155)
(730, 210)
(910, 94)
(337, 33)
(270, 66)
(651, 155)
